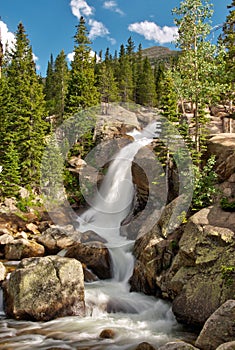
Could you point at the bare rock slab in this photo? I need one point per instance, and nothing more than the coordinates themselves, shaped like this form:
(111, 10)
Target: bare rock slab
(45, 288)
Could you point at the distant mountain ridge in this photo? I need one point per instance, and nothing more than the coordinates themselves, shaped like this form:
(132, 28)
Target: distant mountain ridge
(159, 53)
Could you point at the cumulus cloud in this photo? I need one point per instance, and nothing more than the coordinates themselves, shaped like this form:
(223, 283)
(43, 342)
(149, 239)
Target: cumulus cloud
(113, 6)
(7, 37)
(81, 8)
(151, 31)
(70, 56)
(97, 29)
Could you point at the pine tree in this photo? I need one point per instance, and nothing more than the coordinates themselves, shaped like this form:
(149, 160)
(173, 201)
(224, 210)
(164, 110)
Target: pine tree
(25, 121)
(125, 82)
(10, 174)
(61, 76)
(169, 98)
(107, 85)
(49, 87)
(82, 91)
(146, 85)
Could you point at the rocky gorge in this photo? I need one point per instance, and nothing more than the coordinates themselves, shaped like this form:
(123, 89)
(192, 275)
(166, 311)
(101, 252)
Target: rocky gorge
(191, 265)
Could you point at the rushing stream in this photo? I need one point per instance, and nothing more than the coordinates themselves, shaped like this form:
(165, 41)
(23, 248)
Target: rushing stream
(134, 317)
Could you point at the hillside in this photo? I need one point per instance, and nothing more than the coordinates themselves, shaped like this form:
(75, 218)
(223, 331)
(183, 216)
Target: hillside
(159, 53)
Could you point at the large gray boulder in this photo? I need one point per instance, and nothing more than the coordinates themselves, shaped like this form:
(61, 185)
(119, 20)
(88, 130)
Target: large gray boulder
(202, 277)
(45, 288)
(219, 328)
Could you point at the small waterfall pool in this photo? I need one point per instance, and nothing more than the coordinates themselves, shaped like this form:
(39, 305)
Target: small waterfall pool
(134, 317)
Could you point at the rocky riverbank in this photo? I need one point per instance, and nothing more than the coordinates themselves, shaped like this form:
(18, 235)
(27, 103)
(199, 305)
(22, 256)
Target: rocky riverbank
(192, 265)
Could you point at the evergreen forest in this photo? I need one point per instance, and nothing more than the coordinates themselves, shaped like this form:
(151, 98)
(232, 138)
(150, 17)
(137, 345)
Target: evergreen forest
(202, 74)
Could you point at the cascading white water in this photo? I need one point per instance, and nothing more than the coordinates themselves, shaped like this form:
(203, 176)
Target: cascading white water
(134, 317)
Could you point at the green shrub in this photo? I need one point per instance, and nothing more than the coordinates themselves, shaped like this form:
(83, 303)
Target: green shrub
(227, 205)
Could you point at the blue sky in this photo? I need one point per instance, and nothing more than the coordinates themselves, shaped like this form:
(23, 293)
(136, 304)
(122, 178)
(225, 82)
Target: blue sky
(50, 24)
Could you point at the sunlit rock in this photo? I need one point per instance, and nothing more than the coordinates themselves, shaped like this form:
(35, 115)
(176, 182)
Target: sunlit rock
(45, 288)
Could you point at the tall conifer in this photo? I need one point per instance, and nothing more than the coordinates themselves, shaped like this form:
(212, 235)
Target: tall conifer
(82, 91)
(25, 121)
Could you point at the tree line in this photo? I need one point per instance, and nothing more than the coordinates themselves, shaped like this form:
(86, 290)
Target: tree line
(202, 74)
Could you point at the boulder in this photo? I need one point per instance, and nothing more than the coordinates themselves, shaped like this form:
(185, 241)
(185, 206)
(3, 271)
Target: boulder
(107, 334)
(154, 254)
(23, 248)
(95, 256)
(54, 239)
(154, 251)
(145, 346)
(147, 177)
(178, 345)
(227, 346)
(45, 288)
(115, 121)
(223, 147)
(219, 328)
(201, 277)
(91, 236)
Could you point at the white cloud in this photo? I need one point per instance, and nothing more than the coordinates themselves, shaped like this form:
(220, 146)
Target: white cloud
(6, 36)
(70, 56)
(112, 6)
(112, 40)
(97, 29)
(81, 8)
(151, 31)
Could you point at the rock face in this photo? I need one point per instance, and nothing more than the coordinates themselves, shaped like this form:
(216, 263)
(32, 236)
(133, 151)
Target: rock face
(154, 251)
(193, 265)
(45, 288)
(95, 256)
(201, 277)
(223, 147)
(219, 328)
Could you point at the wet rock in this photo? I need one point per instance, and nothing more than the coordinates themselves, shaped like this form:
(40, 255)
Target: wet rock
(45, 288)
(94, 255)
(154, 251)
(107, 334)
(145, 346)
(179, 345)
(91, 236)
(54, 239)
(227, 346)
(3, 272)
(219, 328)
(23, 248)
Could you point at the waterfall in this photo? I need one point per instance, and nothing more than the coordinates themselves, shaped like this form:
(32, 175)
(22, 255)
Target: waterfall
(134, 317)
